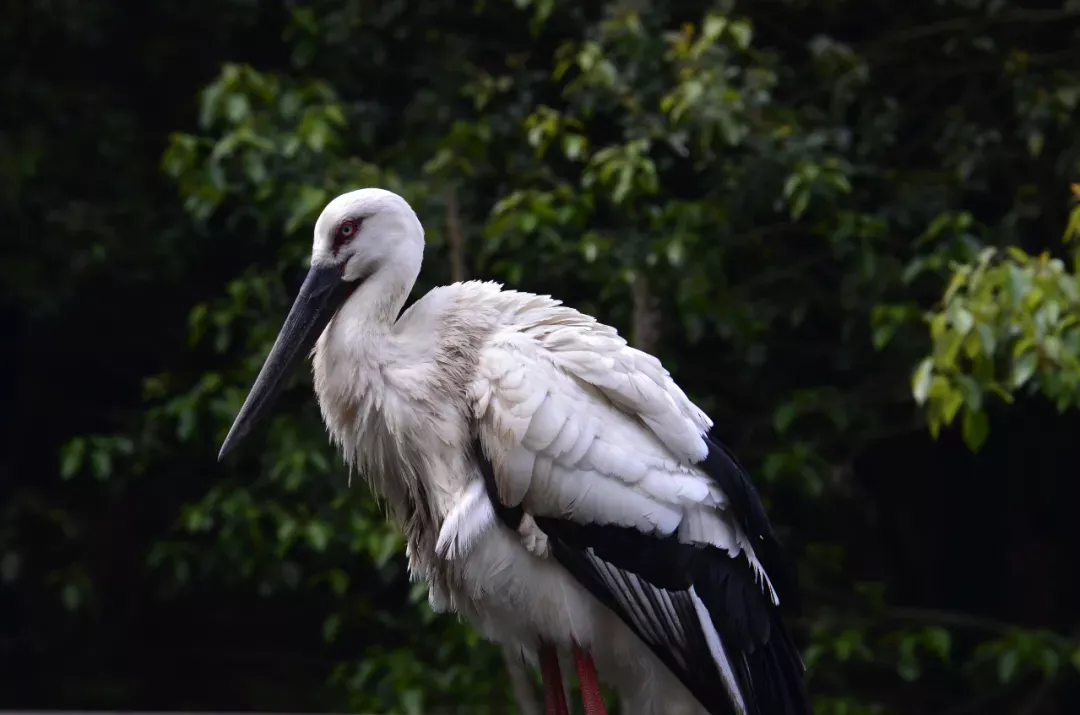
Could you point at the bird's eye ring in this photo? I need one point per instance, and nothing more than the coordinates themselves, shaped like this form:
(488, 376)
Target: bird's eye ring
(346, 232)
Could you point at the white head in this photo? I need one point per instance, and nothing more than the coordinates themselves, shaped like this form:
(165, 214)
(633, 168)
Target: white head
(368, 230)
(369, 238)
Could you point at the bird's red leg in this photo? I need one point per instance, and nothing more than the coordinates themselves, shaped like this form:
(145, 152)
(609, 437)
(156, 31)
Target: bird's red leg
(554, 695)
(590, 685)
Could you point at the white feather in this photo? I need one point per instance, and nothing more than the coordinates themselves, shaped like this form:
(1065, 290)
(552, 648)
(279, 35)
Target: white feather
(469, 519)
(577, 424)
(610, 467)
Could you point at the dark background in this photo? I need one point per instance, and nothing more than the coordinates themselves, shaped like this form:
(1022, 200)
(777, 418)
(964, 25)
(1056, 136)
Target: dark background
(116, 595)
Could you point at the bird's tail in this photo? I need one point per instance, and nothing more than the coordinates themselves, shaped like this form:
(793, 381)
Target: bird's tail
(776, 674)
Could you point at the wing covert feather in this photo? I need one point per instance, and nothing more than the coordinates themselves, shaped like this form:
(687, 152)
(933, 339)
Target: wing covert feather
(560, 447)
(582, 401)
(595, 440)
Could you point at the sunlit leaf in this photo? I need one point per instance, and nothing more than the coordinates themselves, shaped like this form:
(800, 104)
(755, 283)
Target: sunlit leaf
(976, 428)
(920, 381)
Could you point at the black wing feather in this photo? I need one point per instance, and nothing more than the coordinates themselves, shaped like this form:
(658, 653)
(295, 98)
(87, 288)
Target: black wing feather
(722, 466)
(611, 560)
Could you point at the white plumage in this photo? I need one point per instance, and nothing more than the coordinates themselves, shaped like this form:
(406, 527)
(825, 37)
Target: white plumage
(554, 484)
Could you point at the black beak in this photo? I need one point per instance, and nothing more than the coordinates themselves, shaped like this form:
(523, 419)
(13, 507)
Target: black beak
(323, 292)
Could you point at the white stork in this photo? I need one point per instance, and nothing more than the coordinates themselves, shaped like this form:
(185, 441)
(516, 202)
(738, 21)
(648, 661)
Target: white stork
(555, 487)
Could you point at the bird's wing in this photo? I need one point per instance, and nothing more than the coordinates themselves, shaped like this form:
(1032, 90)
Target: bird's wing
(596, 442)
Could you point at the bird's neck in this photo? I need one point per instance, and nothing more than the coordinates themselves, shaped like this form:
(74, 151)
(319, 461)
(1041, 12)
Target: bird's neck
(379, 422)
(358, 342)
(375, 305)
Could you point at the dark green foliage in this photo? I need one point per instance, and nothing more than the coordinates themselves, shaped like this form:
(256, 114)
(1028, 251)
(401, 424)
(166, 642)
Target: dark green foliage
(838, 223)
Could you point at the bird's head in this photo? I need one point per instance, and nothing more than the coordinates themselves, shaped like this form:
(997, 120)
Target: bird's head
(360, 237)
(365, 231)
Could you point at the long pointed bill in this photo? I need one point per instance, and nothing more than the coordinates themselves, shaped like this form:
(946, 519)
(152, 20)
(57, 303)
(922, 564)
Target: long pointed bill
(322, 293)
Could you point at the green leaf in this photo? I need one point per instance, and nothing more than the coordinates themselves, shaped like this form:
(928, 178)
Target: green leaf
(881, 336)
(71, 457)
(961, 319)
(318, 534)
(785, 415)
(331, 627)
(907, 666)
(412, 701)
(800, 204)
(101, 463)
(1050, 663)
(741, 33)
(1007, 665)
(1023, 368)
(986, 338)
(976, 428)
(237, 108)
(972, 392)
(71, 597)
(920, 380)
(939, 641)
(339, 581)
(950, 405)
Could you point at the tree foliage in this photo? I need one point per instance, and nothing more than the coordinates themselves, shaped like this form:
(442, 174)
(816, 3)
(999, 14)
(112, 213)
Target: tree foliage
(1008, 322)
(836, 223)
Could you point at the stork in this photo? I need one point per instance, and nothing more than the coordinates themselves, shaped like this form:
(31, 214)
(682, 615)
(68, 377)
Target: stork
(554, 485)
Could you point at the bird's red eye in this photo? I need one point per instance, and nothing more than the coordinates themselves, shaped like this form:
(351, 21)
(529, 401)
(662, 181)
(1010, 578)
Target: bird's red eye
(346, 232)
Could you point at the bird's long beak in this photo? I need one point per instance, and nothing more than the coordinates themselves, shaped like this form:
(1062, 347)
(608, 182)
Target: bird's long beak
(323, 292)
